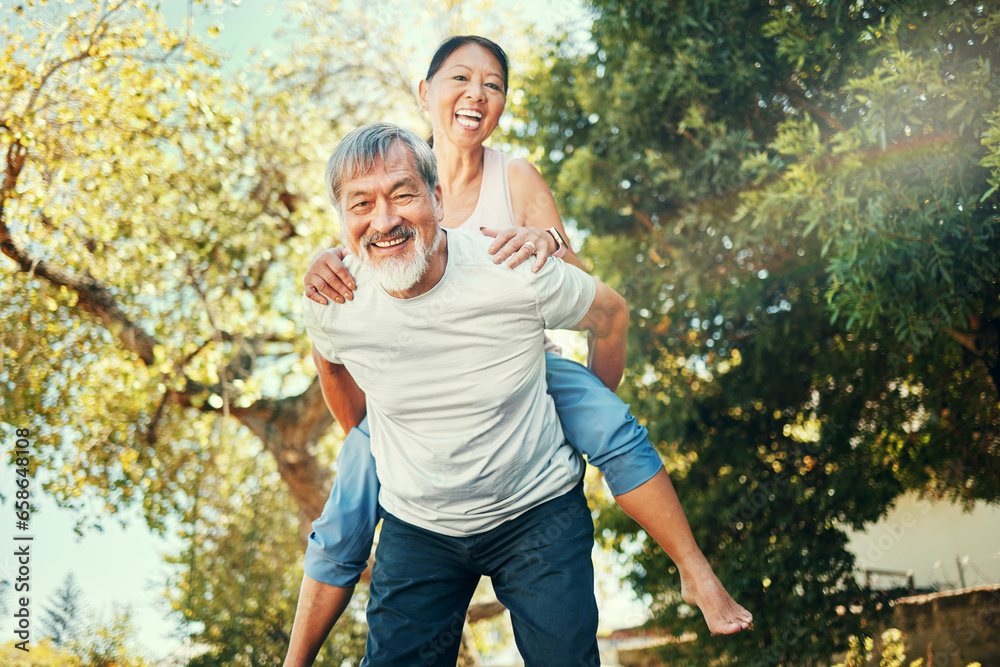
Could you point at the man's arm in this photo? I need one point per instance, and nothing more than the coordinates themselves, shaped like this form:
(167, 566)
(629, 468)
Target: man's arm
(341, 393)
(606, 324)
(320, 605)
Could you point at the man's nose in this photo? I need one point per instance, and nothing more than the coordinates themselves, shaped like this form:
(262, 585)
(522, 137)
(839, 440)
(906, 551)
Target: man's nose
(385, 218)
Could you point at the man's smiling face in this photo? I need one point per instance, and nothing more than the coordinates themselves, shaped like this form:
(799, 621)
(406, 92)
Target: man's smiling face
(391, 221)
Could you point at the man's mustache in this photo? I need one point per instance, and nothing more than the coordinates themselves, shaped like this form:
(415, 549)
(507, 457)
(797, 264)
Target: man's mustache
(396, 233)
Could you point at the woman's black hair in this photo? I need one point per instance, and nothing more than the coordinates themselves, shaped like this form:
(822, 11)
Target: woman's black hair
(451, 44)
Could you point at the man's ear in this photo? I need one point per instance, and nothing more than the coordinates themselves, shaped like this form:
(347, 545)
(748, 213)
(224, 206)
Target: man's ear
(439, 202)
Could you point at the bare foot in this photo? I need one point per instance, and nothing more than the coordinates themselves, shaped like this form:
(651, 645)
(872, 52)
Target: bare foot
(701, 588)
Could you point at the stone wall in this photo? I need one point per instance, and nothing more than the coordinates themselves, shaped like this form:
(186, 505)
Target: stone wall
(959, 627)
(949, 629)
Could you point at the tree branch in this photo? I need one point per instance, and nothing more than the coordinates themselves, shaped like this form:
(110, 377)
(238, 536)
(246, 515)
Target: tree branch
(92, 296)
(966, 340)
(479, 611)
(647, 221)
(16, 154)
(289, 429)
(798, 100)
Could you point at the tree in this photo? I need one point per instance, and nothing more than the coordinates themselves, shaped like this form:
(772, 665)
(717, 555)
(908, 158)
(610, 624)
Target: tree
(109, 644)
(42, 654)
(799, 202)
(100, 645)
(237, 585)
(64, 614)
(146, 204)
(155, 214)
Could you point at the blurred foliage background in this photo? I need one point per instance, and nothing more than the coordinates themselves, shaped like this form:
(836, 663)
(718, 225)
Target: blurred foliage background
(798, 200)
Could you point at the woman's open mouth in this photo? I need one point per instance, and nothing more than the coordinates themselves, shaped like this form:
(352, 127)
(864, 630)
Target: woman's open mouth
(469, 118)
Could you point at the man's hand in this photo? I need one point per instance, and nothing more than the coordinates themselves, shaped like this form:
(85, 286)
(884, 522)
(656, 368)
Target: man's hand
(328, 275)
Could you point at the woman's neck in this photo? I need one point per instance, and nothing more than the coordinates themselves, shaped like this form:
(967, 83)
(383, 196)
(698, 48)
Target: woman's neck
(460, 172)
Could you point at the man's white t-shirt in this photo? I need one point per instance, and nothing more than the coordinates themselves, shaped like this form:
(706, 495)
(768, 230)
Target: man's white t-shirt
(464, 435)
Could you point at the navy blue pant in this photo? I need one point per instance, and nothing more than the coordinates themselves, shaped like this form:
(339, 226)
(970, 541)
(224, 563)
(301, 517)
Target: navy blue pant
(541, 569)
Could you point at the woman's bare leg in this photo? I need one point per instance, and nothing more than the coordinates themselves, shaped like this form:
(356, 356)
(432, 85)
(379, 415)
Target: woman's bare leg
(656, 507)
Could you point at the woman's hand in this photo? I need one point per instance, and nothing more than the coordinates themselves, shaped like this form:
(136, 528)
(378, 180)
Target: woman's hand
(520, 243)
(328, 275)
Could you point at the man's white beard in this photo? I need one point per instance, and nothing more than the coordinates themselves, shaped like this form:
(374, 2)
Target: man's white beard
(398, 274)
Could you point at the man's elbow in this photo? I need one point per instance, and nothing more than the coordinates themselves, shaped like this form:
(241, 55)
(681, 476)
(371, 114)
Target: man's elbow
(618, 314)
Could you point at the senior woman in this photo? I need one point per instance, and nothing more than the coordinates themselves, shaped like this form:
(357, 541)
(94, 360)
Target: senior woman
(465, 94)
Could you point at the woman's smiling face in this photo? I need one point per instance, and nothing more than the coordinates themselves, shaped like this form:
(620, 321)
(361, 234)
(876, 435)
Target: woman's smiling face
(466, 96)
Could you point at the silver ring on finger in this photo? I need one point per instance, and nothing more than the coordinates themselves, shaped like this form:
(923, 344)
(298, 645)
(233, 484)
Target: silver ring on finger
(531, 250)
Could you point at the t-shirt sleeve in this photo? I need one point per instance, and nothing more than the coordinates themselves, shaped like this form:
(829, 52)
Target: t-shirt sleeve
(312, 313)
(564, 293)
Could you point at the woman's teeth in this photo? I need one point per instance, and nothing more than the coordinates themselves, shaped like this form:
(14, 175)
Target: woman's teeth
(469, 118)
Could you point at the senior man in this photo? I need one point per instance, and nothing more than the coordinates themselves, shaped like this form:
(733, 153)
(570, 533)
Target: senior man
(476, 476)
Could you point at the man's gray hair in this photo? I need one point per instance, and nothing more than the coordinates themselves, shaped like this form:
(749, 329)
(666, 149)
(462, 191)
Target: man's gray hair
(356, 154)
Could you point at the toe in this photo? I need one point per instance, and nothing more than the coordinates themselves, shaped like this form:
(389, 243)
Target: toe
(731, 628)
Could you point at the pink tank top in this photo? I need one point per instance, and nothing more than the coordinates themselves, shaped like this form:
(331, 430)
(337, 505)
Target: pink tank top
(494, 195)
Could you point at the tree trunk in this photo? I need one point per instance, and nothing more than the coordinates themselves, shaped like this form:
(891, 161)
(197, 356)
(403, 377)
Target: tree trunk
(290, 428)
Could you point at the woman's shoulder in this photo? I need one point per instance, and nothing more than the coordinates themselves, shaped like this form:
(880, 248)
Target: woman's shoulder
(516, 166)
(524, 177)
(530, 197)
